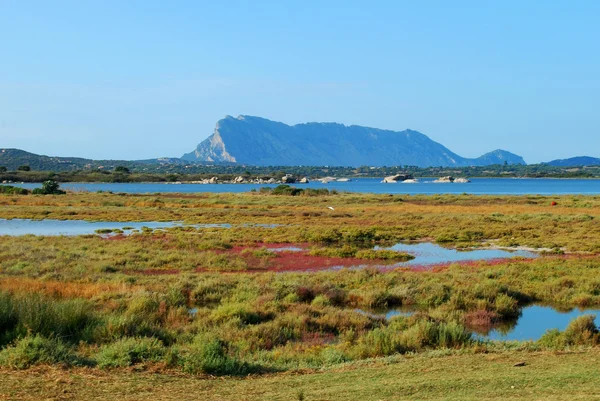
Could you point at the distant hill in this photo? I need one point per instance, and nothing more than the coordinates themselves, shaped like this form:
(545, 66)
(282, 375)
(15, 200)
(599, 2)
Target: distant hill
(13, 158)
(261, 142)
(575, 161)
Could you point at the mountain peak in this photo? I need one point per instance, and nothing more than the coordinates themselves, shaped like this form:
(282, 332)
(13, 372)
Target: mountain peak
(259, 141)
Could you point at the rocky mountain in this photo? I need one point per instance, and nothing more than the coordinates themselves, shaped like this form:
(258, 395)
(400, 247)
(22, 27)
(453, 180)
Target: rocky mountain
(575, 161)
(258, 141)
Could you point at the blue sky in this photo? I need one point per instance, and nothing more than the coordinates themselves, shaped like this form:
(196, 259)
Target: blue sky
(141, 79)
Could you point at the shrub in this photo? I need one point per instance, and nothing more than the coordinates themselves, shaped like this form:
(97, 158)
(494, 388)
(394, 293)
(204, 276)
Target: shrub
(276, 332)
(333, 356)
(347, 251)
(383, 254)
(49, 187)
(324, 236)
(286, 190)
(360, 235)
(210, 355)
(507, 306)
(11, 190)
(552, 339)
(129, 351)
(33, 350)
(378, 342)
(432, 334)
(239, 311)
(320, 301)
(582, 331)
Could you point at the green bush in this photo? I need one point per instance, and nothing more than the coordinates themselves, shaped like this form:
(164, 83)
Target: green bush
(129, 351)
(507, 306)
(382, 254)
(49, 187)
(582, 331)
(11, 190)
(209, 355)
(34, 350)
(286, 190)
(552, 339)
(348, 251)
(360, 235)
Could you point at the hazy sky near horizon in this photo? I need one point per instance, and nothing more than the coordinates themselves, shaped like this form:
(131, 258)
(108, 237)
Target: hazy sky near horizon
(142, 79)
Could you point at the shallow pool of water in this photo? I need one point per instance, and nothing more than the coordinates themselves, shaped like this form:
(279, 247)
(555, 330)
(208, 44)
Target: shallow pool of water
(531, 325)
(16, 227)
(534, 321)
(427, 253)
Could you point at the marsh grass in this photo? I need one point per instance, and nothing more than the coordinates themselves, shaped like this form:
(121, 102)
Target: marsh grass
(127, 301)
(36, 349)
(129, 351)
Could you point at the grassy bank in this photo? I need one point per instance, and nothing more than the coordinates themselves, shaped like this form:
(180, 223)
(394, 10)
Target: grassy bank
(547, 376)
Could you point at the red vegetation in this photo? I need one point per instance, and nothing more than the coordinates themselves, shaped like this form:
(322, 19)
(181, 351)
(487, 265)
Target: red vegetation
(117, 237)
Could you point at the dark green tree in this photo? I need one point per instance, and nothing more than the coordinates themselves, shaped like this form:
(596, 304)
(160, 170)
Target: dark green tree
(122, 169)
(49, 187)
(24, 168)
(3, 169)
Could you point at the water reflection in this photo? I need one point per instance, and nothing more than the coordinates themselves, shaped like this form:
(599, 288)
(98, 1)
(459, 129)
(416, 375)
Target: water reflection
(533, 323)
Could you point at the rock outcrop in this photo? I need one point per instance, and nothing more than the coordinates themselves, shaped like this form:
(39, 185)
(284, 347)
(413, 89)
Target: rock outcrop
(288, 179)
(444, 180)
(392, 179)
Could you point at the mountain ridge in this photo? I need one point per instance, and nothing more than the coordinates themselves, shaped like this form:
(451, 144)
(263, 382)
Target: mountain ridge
(575, 161)
(259, 141)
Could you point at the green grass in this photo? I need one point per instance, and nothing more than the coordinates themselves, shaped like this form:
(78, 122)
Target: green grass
(350, 251)
(545, 376)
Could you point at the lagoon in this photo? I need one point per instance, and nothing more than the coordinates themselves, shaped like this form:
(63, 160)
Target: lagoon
(425, 186)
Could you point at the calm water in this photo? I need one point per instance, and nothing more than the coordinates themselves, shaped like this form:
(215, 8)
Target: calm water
(17, 227)
(427, 253)
(534, 321)
(478, 186)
